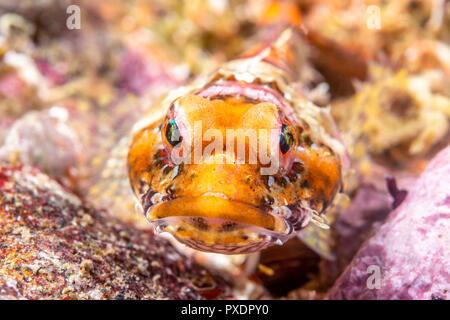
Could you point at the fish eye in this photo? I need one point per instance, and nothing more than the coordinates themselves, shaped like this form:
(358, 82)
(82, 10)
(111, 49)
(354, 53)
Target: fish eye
(172, 132)
(286, 138)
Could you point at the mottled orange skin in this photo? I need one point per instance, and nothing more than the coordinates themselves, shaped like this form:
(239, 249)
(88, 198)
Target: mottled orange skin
(245, 196)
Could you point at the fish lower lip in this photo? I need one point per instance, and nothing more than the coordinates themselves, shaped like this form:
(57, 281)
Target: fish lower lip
(217, 207)
(216, 224)
(245, 239)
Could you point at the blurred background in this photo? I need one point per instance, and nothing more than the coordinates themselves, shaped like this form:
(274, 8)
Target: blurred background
(128, 49)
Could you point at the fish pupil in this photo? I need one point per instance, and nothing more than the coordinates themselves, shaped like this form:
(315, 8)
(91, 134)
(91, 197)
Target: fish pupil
(173, 135)
(286, 139)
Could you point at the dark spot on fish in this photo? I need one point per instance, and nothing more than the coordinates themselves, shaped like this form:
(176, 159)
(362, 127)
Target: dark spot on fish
(305, 184)
(298, 167)
(281, 181)
(158, 153)
(167, 170)
(170, 190)
(265, 180)
(146, 200)
(229, 226)
(269, 200)
(293, 177)
(200, 223)
(158, 163)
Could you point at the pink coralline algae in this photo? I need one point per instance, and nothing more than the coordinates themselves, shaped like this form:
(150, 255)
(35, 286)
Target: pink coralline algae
(408, 257)
(55, 246)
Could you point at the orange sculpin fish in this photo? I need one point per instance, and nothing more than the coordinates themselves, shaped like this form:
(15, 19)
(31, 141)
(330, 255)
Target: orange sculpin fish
(198, 161)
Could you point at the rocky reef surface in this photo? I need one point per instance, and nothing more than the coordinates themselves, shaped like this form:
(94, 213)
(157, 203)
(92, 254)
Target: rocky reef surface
(55, 246)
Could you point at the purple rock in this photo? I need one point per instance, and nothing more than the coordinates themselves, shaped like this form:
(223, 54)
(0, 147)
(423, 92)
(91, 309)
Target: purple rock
(408, 257)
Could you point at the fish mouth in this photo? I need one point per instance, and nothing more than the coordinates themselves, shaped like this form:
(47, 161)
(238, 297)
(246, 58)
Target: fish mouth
(214, 223)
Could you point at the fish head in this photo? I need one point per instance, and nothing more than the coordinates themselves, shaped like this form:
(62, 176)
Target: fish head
(230, 174)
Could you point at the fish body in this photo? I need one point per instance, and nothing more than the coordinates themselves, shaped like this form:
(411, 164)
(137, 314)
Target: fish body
(238, 160)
